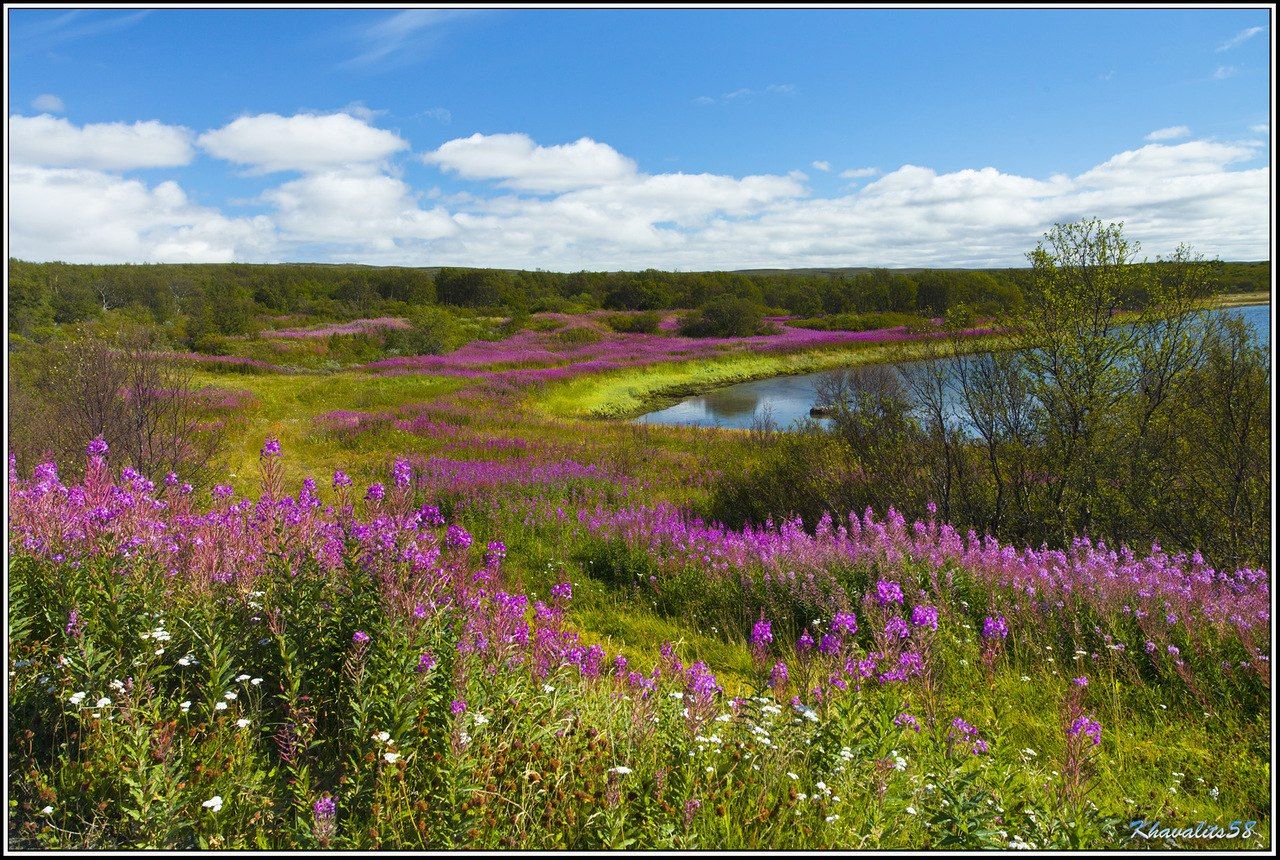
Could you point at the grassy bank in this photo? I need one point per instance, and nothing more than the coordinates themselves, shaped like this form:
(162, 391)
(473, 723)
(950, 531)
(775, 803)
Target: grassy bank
(634, 391)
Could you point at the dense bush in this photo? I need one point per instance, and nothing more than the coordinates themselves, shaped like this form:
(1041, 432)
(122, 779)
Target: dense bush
(726, 316)
(645, 322)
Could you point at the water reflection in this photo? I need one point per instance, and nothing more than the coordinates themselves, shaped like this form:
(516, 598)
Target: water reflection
(789, 398)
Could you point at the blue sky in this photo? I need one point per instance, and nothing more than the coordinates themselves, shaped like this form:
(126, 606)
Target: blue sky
(632, 138)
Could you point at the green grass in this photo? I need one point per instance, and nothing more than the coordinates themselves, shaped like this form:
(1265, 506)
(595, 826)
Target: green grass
(634, 391)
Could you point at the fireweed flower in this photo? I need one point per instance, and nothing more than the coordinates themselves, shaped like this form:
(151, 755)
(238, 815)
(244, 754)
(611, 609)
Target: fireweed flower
(845, 623)
(426, 662)
(457, 706)
(341, 479)
(804, 644)
(457, 537)
(325, 808)
(75, 626)
(97, 447)
(778, 676)
(495, 552)
(994, 628)
(888, 592)
(906, 721)
(925, 616)
(1088, 727)
(896, 628)
(271, 448)
(761, 634)
(1082, 681)
(401, 473)
(562, 591)
(360, 637)
(375, 493)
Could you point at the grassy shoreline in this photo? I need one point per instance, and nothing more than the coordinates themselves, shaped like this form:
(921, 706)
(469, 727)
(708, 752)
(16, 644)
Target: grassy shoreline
(631, 392)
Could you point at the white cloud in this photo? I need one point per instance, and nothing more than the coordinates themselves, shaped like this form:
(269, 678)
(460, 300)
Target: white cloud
(1264, 128)
(704, 100)
(361, 210)
(48, 103)
(824, 166)
(584, 205)
(307, 142)
(1239, 38)
(55, 142)
(401, 37)
(1224, 72)
(1173, 132)
(86, 216)
(521, 164)
(439, 114)
(859, 172)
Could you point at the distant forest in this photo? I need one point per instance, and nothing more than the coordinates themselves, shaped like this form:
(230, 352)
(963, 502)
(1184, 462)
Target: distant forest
(218, 299)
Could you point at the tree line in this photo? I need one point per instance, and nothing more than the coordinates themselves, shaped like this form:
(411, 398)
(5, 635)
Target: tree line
(195, 301)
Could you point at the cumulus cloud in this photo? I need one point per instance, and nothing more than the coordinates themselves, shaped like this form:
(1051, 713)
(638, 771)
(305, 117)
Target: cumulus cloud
(585, 205)
(858, 172)
(1239, 39)
(824, 166)
(78, 215)
(54, 142)
(1223, 72)
(268, 143)
(519, 163)
(354, 210)
(1173, 132)
(48, 103)
(1263, 128)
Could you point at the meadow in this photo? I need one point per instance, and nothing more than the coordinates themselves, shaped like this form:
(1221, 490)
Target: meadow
(449, 601)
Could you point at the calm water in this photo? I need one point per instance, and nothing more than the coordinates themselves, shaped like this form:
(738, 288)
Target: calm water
(790, 397)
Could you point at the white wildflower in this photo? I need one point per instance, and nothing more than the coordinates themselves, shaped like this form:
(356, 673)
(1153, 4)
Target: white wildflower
(391, 757)
(242, 723)
(213, 804)
(620, 769)
(77, 698)
(221, 706)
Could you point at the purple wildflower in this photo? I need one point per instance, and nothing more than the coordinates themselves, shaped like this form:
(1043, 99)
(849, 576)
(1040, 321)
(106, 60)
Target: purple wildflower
(426, 662)
(1082, 681)
(457, 536)
(341, 479)
(457, 706)
(401, 473)
(896, 628)
(97, 447)
(1087, 726)
(888, 592)
(778, 676)
(925, 616)
(906, 721)
(562, 591)
(761, 634)
(360, 637)
(994, 627)
(845, 623)
(325, 808)
(375, 493)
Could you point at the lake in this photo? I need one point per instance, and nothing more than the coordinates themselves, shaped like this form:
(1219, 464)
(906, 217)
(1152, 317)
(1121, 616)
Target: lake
(790, 397)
